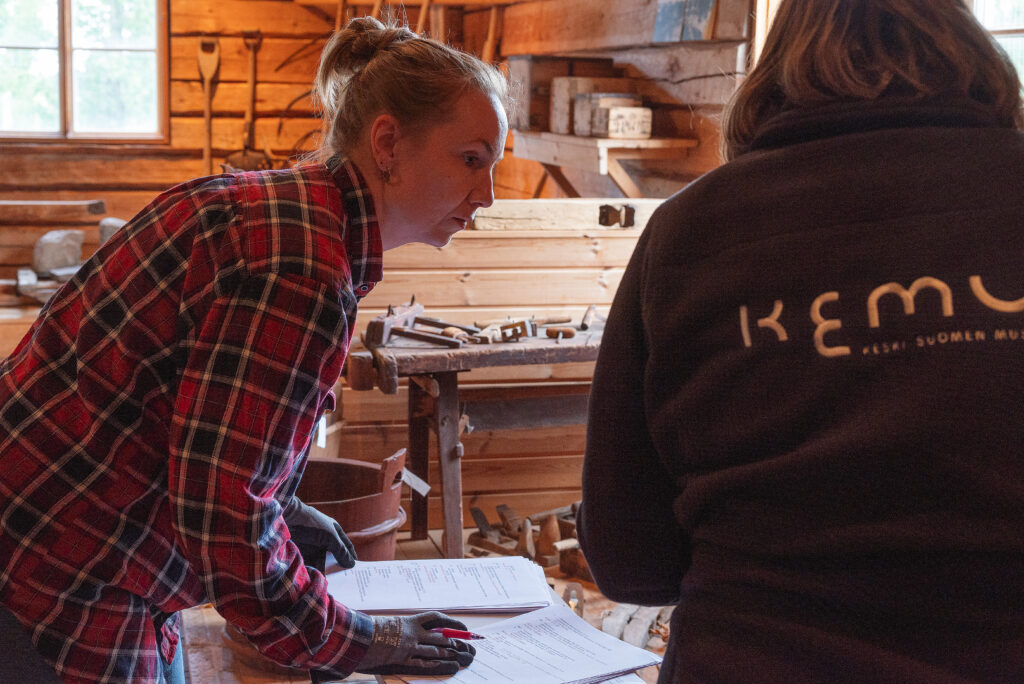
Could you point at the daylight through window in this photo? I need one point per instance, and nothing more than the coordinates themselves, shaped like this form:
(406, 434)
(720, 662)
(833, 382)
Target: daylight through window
(82, 68)
(1005, 19)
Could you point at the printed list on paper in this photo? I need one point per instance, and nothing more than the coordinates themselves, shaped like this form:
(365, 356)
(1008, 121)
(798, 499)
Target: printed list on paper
(547, 646)
(470, 584)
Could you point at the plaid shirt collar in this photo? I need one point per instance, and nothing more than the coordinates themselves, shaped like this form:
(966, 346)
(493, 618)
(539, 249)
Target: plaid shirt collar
(361, 233)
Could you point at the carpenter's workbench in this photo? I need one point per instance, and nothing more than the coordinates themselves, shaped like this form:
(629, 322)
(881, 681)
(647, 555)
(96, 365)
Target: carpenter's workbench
(434, 403)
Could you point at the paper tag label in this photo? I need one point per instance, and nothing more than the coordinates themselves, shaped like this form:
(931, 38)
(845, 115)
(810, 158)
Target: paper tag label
(321, 433)
(416, 483)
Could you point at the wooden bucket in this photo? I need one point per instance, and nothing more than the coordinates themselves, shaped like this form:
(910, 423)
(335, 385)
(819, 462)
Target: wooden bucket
(363, 497)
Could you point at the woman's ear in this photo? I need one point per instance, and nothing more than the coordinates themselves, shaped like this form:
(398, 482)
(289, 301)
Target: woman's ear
(384, 134)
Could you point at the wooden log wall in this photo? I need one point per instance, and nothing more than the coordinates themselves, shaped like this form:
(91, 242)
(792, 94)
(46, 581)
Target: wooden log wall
(482, 274)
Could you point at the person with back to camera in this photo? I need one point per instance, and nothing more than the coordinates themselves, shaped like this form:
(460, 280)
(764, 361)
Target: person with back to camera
(805, 426)
(156, 419)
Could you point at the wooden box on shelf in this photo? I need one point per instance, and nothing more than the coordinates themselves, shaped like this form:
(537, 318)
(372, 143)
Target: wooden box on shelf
(564, 90)
(586, 104)
(533, 74)
(626, 123)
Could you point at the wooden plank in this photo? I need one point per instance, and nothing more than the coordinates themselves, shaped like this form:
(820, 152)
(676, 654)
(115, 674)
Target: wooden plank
(515, 413)
(558, 214)
(695, 73)
(554, 26)
(545, 27)
(232, 98)
(498, 287)
(120, 203)
(733, 19)
(511, 474)
(591, 154)
(228, 135)
(508, 249)
(44, 212)
(280, 60)
(362, 408)
(14, 323)
(371, 442)
(15, 237)
(96, 171)
(193, 17)
(525, 502)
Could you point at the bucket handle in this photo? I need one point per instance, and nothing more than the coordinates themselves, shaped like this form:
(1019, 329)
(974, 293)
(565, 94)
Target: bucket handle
(391, 470)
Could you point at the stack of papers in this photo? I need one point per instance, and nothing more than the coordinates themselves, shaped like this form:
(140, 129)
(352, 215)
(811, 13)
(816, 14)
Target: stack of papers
(548, 646)
(494, 585)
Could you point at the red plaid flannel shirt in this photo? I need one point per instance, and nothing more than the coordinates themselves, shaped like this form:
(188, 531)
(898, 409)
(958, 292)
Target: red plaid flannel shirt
(157, 416)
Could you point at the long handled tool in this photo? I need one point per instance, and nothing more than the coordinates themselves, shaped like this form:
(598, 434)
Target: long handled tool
(421, 23)
(209, 62)
(339, 17)
(248, 158)
(491, 44)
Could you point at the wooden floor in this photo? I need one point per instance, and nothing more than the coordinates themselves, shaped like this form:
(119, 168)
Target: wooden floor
(211, 657)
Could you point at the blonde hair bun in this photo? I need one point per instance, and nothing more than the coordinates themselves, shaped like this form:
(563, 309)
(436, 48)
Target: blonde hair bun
(360, 41)
(369, 68)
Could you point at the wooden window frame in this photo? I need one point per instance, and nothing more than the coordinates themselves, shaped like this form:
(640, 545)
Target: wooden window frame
(64, 48)
(1014, 31)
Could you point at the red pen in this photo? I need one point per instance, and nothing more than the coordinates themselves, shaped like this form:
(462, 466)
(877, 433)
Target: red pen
(455, 633)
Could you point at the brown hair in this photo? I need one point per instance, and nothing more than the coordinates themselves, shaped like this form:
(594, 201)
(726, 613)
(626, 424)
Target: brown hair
(820, 52)
(369, 68)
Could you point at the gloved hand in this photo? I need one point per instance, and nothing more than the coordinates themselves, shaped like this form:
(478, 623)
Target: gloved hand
(405, 645)
(316, 533)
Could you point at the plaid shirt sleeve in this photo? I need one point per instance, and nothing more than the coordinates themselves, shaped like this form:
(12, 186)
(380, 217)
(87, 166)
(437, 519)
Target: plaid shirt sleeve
(248, 401)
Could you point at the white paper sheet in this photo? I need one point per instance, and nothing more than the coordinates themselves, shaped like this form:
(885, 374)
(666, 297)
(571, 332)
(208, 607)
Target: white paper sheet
(449, 584)
(547, 646)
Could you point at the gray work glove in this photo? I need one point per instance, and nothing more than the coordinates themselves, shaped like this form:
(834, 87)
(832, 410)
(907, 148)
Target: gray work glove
(406, 646)
(316, 533)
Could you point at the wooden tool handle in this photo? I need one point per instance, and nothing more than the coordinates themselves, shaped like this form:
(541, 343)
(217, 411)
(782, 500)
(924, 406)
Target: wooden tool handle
(209, 62)
(558, 331)
(548, 320)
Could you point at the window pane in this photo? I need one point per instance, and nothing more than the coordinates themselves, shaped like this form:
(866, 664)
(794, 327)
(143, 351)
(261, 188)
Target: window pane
(29, 91)
(114, 91)
(28, 23)
(999, 14)
(113, 24)
(1014, 46)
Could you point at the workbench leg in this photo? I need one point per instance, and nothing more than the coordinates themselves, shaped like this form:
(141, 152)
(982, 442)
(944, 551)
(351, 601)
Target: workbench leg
(446, 413)
(421, 413)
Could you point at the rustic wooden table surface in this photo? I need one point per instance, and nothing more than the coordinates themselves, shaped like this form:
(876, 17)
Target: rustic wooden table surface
(434, 403)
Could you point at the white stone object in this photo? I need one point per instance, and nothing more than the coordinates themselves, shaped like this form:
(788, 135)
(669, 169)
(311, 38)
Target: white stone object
(57, 249)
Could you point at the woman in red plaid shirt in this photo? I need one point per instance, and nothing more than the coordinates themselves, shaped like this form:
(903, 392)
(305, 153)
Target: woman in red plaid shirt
(155, 420)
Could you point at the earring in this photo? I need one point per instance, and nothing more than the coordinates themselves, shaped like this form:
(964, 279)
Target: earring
(385, 173)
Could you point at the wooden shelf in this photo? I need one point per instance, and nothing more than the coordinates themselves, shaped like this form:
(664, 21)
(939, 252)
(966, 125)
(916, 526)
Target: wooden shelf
(16, 212)
(597, 155)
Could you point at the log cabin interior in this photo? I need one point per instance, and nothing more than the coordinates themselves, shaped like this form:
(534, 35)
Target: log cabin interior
(229, 75)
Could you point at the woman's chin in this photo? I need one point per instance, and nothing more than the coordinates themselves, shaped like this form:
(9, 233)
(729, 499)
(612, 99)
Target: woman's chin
(439, 239)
